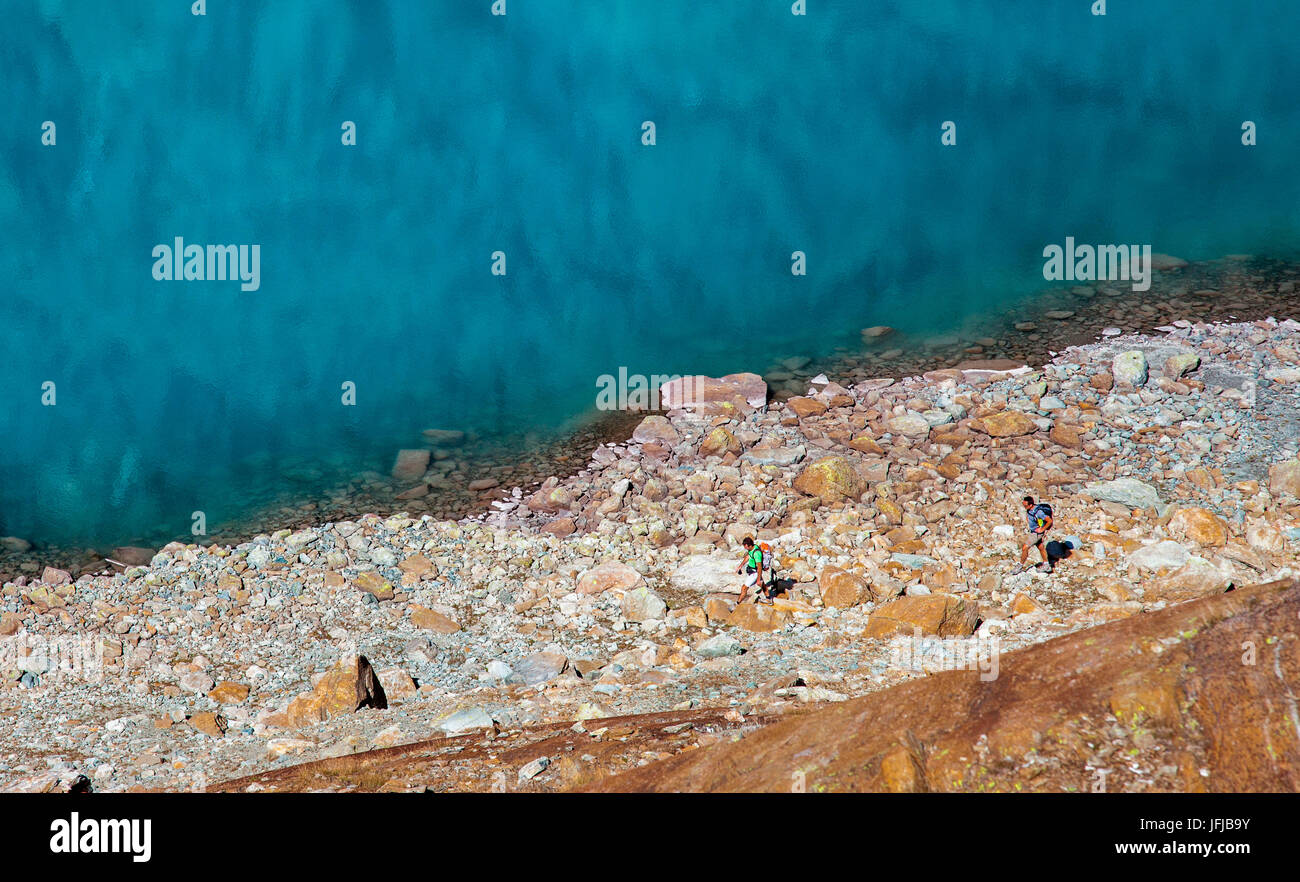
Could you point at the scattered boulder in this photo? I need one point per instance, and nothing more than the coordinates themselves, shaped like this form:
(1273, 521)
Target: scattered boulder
(734, 394)
(719, 442)
(1066, 435)
(346, 688)
(1180, 365)
(561, 527)
(538, 668)
(1197, 577)
(397, 683)
(656, 430)
(1283, 478)
(432, 620)
(55, 576)
(1130, 367)
(1006, 424)
(942, 615)
(757, 617)
(1199, 525)
(229, 692)
(832, 479)
(805, 407)
(707, 574)
(842, 589)
(371, 582)
(1165, 555)
(467, 720)
(608, 576)
(1126, 491)
(211, 724)
(911, 425)
(1102, 382)
(719, 646)
(641, 605)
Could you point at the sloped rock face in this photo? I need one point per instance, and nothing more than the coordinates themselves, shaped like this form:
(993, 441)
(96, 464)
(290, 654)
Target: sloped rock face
(1212, 710)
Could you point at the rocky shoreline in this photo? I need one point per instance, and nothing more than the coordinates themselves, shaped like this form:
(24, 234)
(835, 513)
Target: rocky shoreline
(466, 476)
(1170, 459)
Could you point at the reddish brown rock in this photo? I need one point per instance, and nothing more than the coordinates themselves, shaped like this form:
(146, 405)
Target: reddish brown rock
(1006, 424)
(417, 566)
(656, 430)
(1199, 525)
(719, 442)
(842, 589)
(942, 615)
(1066, 435)
(805, 407)
(1283, 478)
(346, 688)
(210, 724)
(229, 692)
(757, 617)
(373, 583)
(893, 514)
(719, 609)
(561, 527)
(432, 620)
(1023, 604)
(832, 479)
(55, 576)
(551, 498)
(866, 444)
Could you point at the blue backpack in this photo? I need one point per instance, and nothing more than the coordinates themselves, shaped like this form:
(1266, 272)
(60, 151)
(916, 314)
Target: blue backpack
(1040, 513)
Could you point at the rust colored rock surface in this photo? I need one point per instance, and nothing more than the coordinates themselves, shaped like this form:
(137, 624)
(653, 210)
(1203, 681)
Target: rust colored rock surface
(1197, 715)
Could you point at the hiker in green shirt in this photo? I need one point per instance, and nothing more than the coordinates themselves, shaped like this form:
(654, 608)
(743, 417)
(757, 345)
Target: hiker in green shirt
(753, 568)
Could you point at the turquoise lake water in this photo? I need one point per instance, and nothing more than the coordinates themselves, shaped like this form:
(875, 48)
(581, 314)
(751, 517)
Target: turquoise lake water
(523, 134)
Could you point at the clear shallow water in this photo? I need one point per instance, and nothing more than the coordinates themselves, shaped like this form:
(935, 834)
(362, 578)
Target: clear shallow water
(475, 133)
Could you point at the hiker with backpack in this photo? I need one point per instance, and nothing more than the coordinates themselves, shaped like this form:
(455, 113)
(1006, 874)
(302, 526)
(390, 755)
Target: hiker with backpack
(752, 566)
(1040, 521)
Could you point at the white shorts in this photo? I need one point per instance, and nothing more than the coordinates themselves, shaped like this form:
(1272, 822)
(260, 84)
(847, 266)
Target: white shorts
(751, 579)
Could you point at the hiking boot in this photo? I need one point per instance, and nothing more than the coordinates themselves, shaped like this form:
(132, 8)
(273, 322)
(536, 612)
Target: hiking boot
(1044, 568)
(1018, 569)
